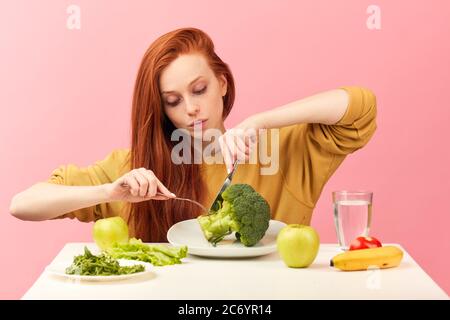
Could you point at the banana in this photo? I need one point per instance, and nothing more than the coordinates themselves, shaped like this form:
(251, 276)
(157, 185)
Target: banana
(382, 257)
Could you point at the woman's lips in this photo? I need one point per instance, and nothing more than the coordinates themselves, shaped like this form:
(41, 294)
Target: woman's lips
(198, 123)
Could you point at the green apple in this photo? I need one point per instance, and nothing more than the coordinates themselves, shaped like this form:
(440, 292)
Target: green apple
(108, 231)
(298, 245)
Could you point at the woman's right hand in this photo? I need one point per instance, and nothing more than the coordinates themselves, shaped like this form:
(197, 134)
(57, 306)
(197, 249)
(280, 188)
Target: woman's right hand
(136, 186)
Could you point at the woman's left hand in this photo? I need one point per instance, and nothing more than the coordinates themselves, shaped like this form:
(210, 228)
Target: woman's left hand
(237, 143)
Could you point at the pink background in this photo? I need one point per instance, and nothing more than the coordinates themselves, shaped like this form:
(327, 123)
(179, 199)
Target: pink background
(65, 98)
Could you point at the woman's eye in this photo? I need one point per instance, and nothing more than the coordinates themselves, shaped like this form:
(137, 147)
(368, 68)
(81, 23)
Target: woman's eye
(200, 91)
(176, 102)
(172, 104)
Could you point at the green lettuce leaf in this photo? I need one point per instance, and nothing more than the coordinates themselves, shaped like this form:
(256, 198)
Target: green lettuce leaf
(158, 255)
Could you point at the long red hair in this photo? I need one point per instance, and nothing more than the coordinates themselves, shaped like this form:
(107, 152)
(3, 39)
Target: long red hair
(151, 131)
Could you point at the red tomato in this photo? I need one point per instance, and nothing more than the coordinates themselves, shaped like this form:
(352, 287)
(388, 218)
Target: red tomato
(364, 243)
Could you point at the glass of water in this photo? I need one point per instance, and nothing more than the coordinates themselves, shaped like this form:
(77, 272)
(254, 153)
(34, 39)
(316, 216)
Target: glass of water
(352, 215)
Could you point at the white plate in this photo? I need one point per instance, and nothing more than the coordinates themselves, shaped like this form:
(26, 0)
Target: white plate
(189, 233)
(59, 268)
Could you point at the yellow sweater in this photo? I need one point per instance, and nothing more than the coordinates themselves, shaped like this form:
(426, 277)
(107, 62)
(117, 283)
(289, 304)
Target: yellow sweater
(309, 154)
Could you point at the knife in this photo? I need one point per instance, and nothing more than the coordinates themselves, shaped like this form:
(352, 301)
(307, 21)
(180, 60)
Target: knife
(217, 201)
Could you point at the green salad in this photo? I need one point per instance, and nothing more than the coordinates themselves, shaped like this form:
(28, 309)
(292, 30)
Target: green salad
(89, 264)
(106, 264)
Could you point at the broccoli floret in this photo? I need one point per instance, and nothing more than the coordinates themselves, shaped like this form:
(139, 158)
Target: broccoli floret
(243, 211)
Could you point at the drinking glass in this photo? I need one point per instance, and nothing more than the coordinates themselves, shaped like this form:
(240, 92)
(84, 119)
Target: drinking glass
(352, 215)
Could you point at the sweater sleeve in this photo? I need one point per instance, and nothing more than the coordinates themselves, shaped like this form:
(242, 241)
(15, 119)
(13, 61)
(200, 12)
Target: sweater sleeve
(101, 172)
(312, 152)
(353, 130)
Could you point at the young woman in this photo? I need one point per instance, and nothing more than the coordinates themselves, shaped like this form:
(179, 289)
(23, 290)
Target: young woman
(183, 84)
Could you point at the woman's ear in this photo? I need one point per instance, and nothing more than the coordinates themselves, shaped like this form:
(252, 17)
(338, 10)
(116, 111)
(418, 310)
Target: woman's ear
(223, 84)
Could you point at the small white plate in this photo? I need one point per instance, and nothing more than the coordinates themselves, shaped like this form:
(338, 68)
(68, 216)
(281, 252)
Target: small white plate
(189, 233)
(58, 269)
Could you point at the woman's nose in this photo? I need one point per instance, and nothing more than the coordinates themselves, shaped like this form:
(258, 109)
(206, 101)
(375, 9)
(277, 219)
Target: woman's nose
(192, 108)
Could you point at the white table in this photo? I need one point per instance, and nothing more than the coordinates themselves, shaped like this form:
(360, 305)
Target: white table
(263, 277)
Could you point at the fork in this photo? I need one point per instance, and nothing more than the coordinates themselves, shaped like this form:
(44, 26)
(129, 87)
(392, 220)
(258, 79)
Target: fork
(183, 199)
(216, 203)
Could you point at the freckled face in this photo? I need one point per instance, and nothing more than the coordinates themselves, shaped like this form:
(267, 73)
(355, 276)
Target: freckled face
(192, 93)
